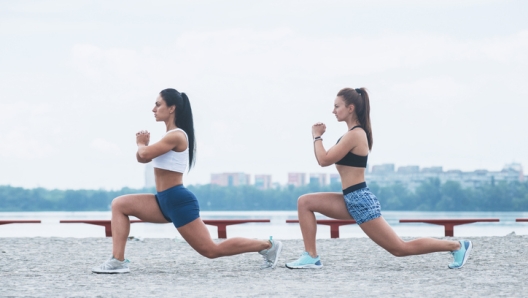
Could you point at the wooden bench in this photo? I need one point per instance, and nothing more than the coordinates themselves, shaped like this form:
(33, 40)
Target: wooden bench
(449, 224)
(521, 220)
(98, 222)
(221, 224)
(9, 221)
(333, 223)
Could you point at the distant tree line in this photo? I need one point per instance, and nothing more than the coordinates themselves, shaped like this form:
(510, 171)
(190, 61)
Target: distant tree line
(430, 195)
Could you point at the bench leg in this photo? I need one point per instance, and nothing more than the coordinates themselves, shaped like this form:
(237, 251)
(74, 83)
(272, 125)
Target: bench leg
(108, 229)
(334, 231)
(222, 231)
(449, 230)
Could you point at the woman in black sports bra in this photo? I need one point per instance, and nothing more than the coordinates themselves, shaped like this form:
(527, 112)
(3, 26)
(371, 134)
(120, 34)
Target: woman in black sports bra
(350, 156)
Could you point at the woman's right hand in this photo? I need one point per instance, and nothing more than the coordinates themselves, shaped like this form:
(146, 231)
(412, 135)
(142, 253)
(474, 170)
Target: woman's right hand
(318, 129)
(143, 137)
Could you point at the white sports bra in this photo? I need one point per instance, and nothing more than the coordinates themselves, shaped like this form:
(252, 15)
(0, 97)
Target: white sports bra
(172, 160)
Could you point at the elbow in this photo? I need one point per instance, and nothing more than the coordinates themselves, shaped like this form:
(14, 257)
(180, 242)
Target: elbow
(142, 155)
(323, 163)
(143, 160)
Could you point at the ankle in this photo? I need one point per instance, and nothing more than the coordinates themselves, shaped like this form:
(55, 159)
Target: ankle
(312, 254)
(120, 259)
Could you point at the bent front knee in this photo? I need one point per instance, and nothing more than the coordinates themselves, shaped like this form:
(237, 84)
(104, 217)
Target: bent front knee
(117, 203)
(303, 202)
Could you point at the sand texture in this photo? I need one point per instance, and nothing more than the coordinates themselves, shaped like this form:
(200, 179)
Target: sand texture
(353, 267)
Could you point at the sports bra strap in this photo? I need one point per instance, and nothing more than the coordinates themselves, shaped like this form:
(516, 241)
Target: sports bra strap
(179, 129)
(355, 127)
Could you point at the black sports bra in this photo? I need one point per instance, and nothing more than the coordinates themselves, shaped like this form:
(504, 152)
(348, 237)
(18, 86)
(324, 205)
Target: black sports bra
(351, 159)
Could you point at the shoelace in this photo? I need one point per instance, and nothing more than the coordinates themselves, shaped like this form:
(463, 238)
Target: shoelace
(267, 262)
(106, 265)
(109, 265)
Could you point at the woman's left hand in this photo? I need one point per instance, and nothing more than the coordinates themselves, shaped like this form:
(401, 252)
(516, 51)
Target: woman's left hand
(143, 138)
(318, 129)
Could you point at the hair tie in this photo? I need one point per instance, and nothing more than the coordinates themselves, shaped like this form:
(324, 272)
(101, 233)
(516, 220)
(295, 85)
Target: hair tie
(358, 90)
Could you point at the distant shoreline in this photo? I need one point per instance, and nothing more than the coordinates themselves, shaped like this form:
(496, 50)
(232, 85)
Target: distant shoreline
(431, 195)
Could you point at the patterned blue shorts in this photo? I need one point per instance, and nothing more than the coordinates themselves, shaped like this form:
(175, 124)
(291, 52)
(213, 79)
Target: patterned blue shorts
(361, 203)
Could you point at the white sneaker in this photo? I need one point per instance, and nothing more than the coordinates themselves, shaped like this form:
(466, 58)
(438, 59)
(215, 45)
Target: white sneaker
(112, 266)
(271, 255)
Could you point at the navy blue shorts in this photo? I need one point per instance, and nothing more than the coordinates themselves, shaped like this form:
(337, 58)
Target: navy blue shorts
(178, 205)
(361, 203)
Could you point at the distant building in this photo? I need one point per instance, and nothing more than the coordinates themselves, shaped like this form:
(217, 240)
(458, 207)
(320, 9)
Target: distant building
(318, 179)
(516, 168)
(230, 179)
(296, 179)
(150, 181)
(335, 179)
(263, 181)
(383, 169)
(432, 170)
(412, 176)
(409, 170)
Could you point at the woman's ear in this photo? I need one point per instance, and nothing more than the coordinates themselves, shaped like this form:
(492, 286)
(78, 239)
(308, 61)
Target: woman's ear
(351, 108)
(172, 109)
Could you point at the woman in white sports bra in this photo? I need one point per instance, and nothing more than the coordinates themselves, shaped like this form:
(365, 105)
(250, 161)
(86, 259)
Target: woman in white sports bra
(173, 202)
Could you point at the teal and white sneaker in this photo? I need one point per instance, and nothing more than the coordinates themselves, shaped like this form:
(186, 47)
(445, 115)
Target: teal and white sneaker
(306, 262)
(271, 255)
(460, 256)
(112, 266)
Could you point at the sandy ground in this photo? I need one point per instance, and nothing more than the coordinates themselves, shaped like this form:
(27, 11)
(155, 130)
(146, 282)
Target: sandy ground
(353, 267)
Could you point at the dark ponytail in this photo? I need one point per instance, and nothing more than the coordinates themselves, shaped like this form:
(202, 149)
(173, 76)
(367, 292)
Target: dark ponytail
(360, 99)
(184, 117)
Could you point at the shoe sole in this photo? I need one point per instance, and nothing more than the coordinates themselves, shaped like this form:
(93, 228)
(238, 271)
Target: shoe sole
(279, 250)
(119, 271)
(466, 256)
(309, 266)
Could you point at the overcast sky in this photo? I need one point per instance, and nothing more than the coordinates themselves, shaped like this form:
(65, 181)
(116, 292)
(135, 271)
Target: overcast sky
(447, 81)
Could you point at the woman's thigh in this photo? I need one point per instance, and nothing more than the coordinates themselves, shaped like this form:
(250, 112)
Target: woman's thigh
(330, 204)
(382, 234)
(142, 206)
(197, 235)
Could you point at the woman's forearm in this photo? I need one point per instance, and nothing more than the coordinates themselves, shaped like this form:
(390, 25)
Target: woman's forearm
(320, 153)
(140, 154)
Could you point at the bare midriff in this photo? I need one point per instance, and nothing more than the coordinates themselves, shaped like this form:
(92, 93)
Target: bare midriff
(350, 175)
(167, 179)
